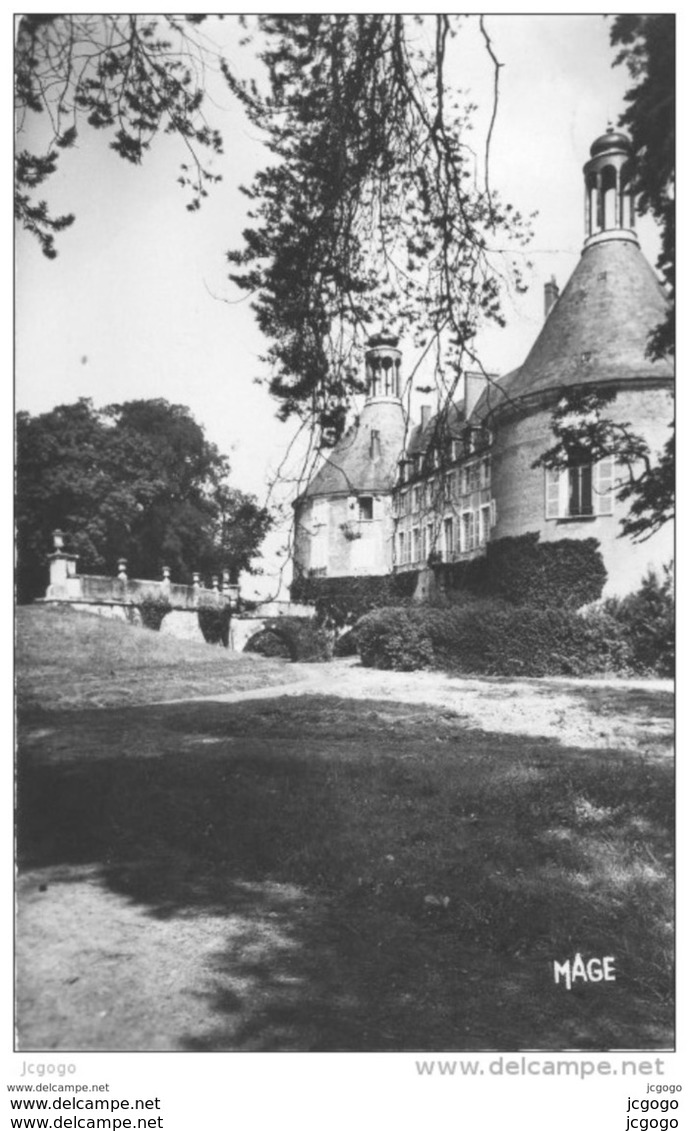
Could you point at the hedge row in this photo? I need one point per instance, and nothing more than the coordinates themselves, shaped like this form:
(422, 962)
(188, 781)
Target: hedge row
(567, 573)
(490, 638)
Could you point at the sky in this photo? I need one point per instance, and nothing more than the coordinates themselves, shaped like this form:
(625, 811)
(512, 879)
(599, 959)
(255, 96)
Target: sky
(138, 303)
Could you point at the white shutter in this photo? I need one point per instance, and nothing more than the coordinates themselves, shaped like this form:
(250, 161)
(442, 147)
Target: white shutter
(493, 513)
(552, 492)
(363, 550)
(603, 485)
(319, 534)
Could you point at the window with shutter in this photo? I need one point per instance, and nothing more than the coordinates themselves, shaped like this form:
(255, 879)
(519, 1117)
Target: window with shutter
(604, 484)
(581, 491)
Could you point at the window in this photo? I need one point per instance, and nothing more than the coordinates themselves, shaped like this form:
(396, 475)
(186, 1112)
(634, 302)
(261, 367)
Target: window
(416, 505)
(448, 538)
(416, 543)
(583, 490)
(365, 508)
(580, 490)
(468, 531)
(473, 477)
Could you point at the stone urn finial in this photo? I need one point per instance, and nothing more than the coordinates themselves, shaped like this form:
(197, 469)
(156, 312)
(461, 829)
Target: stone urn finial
(122, 569)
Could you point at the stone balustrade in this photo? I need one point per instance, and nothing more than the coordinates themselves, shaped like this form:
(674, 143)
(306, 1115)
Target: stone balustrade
(68, 586)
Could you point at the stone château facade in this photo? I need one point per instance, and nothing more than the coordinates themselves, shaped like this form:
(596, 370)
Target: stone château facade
(387, 499)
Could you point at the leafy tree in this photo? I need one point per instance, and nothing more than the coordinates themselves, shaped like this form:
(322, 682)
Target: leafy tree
(137, 480)
(581, 425)
(134, 76)
(374, 203)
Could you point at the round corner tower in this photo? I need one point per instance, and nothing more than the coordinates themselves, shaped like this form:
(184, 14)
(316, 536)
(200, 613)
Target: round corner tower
(595, 335)
(343, 520)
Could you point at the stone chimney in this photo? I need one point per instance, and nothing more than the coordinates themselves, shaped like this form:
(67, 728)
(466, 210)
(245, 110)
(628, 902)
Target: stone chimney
(551, 295)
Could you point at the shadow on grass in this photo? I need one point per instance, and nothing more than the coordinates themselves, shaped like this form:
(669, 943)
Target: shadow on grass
(389, 879)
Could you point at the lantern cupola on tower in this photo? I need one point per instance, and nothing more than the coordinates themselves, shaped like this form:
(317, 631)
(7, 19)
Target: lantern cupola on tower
(383, 361)
(608, 181)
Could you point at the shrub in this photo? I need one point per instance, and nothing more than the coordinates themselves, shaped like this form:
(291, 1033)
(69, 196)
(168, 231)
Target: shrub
(214, 622)
(494, 639)
(305, 640)
(267, 643)
(153, 611)
(647, 619)
(394, 639)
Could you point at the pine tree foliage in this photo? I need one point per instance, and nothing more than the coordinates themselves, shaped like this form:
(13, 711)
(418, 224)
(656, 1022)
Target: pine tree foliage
(375, 205)
(134, 76)
(647, 48)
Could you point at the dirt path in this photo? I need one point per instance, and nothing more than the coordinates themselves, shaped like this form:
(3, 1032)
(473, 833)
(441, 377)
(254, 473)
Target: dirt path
(601, 713)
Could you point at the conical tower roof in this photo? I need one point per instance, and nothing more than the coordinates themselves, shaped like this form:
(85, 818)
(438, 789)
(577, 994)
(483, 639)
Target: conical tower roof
(365, 459)
(360, 462)
(599, 328)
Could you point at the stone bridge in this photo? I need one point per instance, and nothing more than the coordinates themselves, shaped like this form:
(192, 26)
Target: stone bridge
(244, 626)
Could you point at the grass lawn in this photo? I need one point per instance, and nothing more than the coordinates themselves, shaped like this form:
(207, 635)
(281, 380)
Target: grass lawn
(319, 873)
(67, 659)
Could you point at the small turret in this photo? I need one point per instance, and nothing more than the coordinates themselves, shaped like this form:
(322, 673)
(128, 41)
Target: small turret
(609, 193)
(383, 361)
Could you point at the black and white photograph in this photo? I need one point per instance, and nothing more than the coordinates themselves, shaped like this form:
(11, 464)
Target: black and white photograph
(344, 520)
